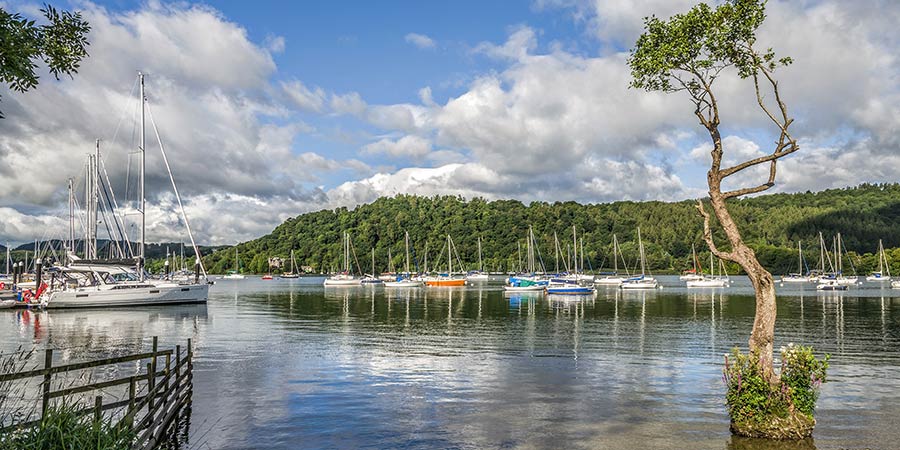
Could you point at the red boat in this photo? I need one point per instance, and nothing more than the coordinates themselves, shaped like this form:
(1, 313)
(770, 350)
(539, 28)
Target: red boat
(267, 277)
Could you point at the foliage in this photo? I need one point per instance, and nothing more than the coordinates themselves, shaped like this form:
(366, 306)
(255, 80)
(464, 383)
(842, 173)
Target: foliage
(802, 373)
(63, 428)
(772, 225)
(61, 44)
(689, 51)
(754, 402)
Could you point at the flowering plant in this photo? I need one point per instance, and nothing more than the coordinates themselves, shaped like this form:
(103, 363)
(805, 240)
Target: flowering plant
(783, 407)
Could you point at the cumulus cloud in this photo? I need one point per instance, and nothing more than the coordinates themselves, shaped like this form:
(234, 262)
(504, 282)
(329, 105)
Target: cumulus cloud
(554, 124)
(408, 146)
(420, 40)
(304, 97)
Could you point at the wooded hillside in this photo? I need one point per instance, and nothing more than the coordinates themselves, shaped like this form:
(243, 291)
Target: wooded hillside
(772, 224)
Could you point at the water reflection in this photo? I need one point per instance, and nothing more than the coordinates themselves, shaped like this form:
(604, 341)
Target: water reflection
(290, 364)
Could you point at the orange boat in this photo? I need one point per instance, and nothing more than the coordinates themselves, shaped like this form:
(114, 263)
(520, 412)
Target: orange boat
(445, 282)
(267, 277)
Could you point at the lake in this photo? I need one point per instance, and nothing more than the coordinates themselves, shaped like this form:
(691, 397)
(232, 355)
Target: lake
(287, 364)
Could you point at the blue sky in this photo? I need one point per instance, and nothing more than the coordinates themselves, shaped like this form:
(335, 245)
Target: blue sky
(274, 109)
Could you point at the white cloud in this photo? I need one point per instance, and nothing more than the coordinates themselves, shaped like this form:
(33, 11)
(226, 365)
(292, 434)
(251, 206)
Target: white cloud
(275, 44)
(304, 97)
(349, 103)
(555, 124)
(517, 47)
(420, 40)
(407, 146)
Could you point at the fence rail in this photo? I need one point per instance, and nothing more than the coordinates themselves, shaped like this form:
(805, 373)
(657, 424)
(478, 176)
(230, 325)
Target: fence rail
(154, 400)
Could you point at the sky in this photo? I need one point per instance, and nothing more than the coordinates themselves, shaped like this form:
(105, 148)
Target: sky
(268, 110)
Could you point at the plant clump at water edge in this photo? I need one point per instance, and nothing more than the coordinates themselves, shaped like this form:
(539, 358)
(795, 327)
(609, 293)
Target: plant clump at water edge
(778, 409)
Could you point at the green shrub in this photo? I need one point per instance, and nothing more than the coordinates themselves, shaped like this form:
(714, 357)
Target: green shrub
(762, 407)
(63, 429)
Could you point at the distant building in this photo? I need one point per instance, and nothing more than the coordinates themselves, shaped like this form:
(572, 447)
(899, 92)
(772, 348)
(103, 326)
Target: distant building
(276, 263)
(306, 269)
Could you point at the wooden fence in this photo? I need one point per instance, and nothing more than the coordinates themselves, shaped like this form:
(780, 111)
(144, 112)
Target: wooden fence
(154, 400)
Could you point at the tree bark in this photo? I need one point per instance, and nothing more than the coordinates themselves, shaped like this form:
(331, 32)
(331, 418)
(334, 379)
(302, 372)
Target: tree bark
(762, 337)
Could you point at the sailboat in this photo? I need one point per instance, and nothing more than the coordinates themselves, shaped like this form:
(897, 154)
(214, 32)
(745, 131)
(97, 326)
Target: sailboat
(711, 281)
(370, 279)
(884, 269)
(694, 274)
(448, 279)
(87, 283)
(571, 283)
(641, 281)
(344, 278)
(480, 274)
(293, 273)
(529, 282)
(236, 273)
(405, 280)
(613, 279)
(837, 276)
(797, 277)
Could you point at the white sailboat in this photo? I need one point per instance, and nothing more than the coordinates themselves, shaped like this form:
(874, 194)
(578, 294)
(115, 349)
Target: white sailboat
(528, 282)
(883, 273)
(405, 280)
(641, 281)
(613, 279)
(695, 273)
(572, 283)
(109, 283)
(236, 273)
(797, 277)
(293, 273)
(370, 279)
(837, 276)
(345, 277)
(711, 281)
(480, 274)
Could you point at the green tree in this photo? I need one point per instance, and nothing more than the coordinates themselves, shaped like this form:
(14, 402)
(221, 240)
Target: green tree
(688, 53)
(61, 43)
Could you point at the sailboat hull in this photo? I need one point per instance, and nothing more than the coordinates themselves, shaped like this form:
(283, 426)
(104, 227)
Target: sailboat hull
(446, 283)
(147, 295)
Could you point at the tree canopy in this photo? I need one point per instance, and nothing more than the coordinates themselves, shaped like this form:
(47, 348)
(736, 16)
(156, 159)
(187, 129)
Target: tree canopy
(61, 44)
(773, 224)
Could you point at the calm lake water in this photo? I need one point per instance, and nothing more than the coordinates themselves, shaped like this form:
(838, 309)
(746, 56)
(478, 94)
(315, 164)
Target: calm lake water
(289, 364)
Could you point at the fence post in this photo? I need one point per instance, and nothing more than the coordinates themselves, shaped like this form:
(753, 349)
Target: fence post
(155, 348)
(131, 394)
(48, 363)
(151, 381)
(98, 408)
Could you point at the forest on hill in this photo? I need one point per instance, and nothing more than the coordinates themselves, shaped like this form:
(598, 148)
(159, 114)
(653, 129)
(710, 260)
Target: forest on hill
(771, 224)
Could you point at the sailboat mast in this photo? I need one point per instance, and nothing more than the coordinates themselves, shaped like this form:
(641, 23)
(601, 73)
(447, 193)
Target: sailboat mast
(449, 259)
(800, 253)
(574, 250)
(406, 238)
(556, 243)
(143, 161)
(641, 250)
(480, 263)
(615, 254)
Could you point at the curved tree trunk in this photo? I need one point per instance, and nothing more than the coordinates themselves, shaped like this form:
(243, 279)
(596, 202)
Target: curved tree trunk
(762, 337)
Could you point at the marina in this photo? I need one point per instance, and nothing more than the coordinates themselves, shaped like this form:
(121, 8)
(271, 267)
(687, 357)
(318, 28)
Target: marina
(288, 361)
